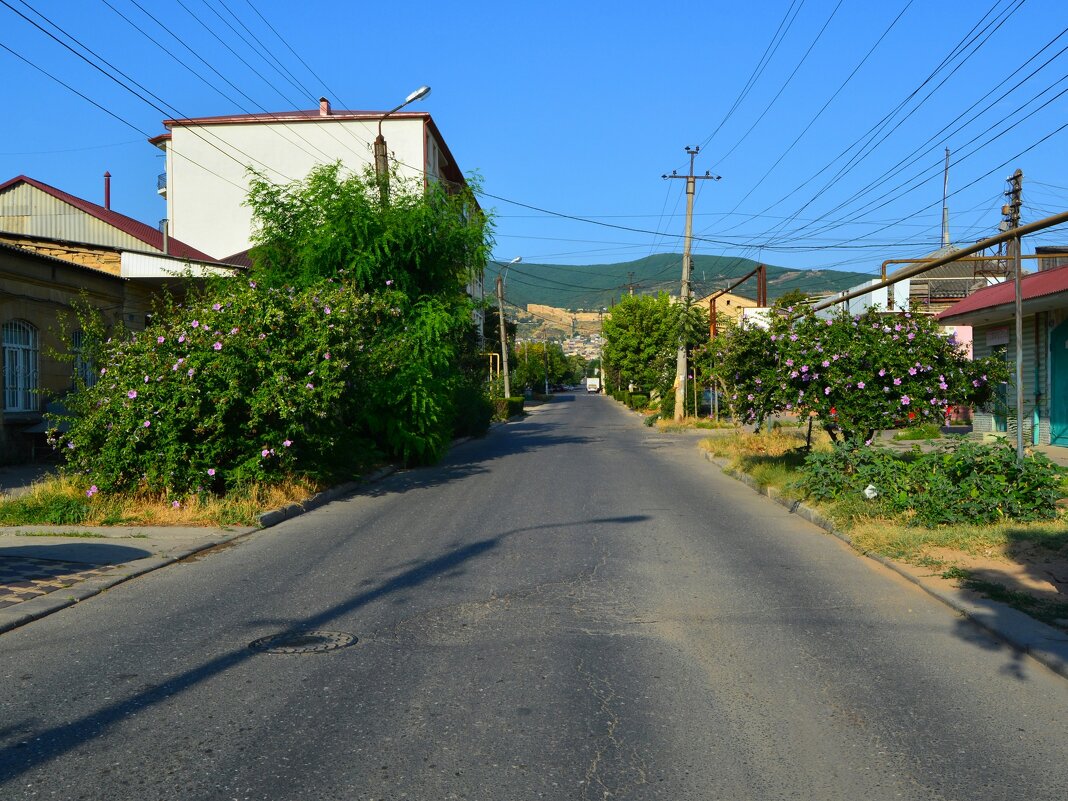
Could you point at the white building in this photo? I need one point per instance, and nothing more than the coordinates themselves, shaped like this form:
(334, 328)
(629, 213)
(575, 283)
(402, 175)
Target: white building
(208, 158)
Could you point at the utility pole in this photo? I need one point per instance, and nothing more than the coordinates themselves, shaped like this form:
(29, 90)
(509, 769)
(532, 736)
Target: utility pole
(945, 208)
(1012, 217)
(680, 361)
(504, 336)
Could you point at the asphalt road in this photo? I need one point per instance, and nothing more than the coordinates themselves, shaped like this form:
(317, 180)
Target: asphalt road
(574, 607)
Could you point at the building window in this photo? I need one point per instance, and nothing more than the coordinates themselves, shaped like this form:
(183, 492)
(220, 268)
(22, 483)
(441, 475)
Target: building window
(20, 367)
(83, 366)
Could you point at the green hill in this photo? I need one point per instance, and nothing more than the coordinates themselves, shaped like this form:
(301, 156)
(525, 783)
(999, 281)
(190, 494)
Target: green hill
(591, 286)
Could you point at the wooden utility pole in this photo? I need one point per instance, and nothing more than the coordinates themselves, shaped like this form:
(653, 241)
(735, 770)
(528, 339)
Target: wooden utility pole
(680, 361)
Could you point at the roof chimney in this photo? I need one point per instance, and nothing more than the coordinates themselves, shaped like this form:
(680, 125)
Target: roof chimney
(324, 107)
(107, 191)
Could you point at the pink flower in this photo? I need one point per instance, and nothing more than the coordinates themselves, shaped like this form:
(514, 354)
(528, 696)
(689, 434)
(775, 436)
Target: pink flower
(309, 386)
(860, 385)
(252, 284)
(905, 400)
(897, 382)
(326, 310)
(175, 504)
(211, 471)
(265, 453)
(181, 339)
(326, 356)
(389, 282)
(286, 443)
(146, 424)
(216, 306)
(217, 346)
(160, 340)
(233, 331)
(131, 394)
(196, 323)
(146, 379)
(826, 390)
(190, 372)
(89, 493)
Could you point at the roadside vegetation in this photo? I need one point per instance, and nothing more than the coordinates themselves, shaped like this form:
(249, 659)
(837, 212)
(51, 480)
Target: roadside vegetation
(348, 343)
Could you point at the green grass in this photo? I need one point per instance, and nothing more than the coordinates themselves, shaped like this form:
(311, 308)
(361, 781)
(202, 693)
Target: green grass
(47, 504)
(1044, 609)
(920, 432)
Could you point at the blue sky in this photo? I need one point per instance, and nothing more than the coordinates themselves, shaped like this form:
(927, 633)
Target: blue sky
(579, 108)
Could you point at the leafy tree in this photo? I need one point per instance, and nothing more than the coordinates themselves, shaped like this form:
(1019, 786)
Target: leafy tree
(642, 340)
(425, 242)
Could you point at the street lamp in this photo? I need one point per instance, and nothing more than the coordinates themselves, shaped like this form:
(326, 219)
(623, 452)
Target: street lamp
(500, 315)
(381, 162)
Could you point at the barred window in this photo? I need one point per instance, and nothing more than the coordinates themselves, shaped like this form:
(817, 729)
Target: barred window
(20, 366)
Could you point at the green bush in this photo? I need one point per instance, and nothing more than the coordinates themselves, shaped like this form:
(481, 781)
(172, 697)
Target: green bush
(967, 483)
(350, 338)
(473, 409)
(638, 402)
(506, 408)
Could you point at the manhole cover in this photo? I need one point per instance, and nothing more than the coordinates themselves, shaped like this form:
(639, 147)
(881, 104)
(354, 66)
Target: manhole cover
(303, 642)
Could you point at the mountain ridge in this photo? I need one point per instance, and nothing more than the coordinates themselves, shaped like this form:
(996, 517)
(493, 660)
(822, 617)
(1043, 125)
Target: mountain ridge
(593, 286)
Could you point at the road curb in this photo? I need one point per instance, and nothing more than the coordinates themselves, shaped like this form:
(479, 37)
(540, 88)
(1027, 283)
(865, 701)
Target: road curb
(35, 608)
(1019, 631)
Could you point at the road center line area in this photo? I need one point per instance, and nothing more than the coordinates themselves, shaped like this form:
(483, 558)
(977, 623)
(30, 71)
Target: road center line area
(573, 607)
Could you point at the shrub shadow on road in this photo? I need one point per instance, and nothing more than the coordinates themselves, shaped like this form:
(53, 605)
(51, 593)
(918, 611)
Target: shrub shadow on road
(40, 747)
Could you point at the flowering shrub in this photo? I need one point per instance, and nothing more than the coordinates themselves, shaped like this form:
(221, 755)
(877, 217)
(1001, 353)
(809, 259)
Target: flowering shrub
(858, 373)
(368, 350)
(743, 359)
(241, 384)
(862, 373)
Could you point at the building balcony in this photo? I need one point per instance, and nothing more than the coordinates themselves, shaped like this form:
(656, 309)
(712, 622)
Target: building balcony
(161, 184)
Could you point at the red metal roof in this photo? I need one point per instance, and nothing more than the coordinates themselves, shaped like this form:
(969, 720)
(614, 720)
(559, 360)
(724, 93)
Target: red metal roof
(1036, 285)
(152, 237)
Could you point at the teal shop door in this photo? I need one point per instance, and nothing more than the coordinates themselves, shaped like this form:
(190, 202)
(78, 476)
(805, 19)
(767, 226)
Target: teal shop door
(1058, 397)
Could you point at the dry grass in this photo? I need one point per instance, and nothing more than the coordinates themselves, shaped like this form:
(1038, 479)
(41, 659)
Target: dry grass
(918, 545)
(59, 501)
(692, 423)
(774, 442)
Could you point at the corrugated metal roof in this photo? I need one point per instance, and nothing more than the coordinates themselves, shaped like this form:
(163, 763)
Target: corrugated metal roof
(1036, 285)
(143, 232)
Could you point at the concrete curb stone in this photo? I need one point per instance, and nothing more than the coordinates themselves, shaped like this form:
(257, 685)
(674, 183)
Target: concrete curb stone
(1019, 631)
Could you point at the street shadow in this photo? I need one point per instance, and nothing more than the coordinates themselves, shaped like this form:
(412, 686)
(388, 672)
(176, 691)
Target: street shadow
(88, 553)
(40, 747)
(473, 458)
